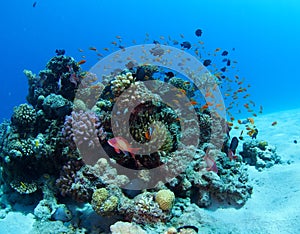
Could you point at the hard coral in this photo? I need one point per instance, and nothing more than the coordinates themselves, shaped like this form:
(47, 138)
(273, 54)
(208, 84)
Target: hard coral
(77, 182)
(165, 199)
(103, 202)
(24, 117)
(82, 128)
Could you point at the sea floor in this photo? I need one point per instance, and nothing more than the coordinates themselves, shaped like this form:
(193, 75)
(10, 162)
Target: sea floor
(274, 206)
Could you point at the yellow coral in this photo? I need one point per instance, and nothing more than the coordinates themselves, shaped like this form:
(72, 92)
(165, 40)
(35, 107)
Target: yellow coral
(98, 198)
(165, 199)
(103, 202)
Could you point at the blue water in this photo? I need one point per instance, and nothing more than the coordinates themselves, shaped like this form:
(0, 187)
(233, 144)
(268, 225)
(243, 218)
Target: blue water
(265, 35)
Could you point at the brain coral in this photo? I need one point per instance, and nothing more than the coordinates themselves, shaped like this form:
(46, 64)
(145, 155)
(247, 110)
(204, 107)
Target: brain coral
(165, 199)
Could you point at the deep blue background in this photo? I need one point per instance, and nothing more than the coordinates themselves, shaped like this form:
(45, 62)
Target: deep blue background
(265, 33)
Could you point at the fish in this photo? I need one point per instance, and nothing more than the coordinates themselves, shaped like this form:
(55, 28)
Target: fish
(60, 52)
(34, 4)
(210, 163)
(120, 144)
(251, 120)
(232, 148)
(228, 63)
(224, 53)
(274, 123)
(206, 62)
(223, 69)
(92, 48)
(198, 32)
(149, 133)
(175, 42)
(140, 73)
(62, 213)
(186, 45)
(254, 133)
(169, 74)
(83, 61)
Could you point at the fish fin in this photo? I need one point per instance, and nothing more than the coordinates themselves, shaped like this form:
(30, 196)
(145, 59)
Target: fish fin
(134, 150)
(117, 150)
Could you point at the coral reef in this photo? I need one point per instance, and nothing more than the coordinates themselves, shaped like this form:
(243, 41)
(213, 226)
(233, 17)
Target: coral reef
(103, 202)
(43, 150)
(260, 154)
(126, 228)
(82, 128)
(24, 118)
(165, 199)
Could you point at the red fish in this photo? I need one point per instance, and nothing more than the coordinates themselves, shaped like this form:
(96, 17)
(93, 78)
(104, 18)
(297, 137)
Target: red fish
(120, 144)
(211, 164)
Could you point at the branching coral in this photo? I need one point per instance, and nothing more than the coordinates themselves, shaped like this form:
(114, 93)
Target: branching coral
(82, 128)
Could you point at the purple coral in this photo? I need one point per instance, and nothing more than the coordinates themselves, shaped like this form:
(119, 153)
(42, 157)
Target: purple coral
(83, 128)
(77, 181)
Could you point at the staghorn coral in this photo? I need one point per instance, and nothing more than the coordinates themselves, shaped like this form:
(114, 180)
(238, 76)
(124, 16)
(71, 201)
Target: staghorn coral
(82, 128)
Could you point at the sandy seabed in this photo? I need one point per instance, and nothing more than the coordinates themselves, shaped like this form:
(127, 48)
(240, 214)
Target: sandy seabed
(274, 206)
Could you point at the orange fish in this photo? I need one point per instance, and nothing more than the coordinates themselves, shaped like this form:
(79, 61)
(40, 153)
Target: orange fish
(230, 124)
(274, 123)
(193, 103)
(204, 107)
(81, 62)
(120, 144)
(148, 134)
(251, 120)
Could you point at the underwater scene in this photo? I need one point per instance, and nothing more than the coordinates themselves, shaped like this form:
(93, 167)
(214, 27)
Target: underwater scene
(137, 117)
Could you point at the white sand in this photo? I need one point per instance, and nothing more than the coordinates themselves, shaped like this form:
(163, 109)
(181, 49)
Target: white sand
(274, 206)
